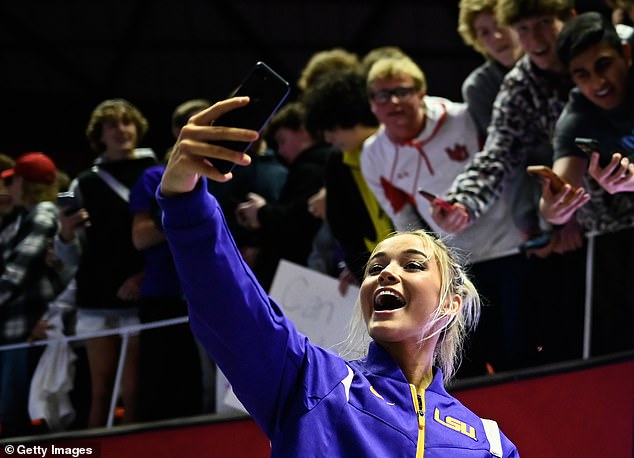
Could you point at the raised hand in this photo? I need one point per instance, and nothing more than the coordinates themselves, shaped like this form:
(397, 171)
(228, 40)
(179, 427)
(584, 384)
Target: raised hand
(189, 158)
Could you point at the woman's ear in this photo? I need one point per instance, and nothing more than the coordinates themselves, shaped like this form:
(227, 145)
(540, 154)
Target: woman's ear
(453, 306)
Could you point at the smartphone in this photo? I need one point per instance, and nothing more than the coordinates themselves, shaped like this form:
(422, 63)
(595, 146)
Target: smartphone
(436, 200)
(587, 145)
(69, 202)
(267, 91)
(590, 145)
(556, 183)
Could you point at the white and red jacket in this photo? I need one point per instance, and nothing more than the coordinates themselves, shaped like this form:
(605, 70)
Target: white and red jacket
(431, 161)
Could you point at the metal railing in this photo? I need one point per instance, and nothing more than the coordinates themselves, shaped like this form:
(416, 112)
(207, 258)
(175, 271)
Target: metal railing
(124, 332)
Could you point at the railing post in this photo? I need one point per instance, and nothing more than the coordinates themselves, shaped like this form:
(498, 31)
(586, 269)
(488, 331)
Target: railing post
(117, 380)
(587, 315)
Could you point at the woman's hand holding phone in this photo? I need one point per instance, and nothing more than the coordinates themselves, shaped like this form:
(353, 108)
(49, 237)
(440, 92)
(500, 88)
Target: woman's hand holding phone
(191, 153)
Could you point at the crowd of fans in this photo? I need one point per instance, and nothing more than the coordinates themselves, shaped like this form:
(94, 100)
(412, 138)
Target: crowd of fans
(337, 170)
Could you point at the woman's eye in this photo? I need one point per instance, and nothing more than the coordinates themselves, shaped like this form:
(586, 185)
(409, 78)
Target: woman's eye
(375, 269)
(415, 266)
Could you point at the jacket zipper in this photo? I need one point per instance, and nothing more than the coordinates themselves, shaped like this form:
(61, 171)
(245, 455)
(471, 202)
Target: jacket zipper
(419, 408)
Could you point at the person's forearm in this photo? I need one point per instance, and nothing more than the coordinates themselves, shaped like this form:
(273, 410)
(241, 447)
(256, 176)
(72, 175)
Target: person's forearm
(145, 234)
(68, 252)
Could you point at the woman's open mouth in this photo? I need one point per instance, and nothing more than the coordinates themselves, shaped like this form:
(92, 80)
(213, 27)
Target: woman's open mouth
(387, 300)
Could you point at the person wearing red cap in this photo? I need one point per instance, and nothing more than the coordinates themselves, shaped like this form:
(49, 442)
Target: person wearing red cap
(27, 280)
(34, 167)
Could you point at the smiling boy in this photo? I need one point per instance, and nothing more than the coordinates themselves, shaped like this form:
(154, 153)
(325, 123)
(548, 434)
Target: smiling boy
(423, 143)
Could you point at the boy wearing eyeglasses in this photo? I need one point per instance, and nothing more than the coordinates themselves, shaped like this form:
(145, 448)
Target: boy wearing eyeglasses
(423, 143)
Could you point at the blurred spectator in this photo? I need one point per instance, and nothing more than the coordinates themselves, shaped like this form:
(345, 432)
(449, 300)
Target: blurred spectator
(110, 269)
(6, 203)
(265, 176)
(63, 181)
(27, 281)
(169, 365)
(286, 227)
(181, 115)
(325, 253)
(501, 49)
(177, 391)
(622, 11)
(600, 107)
(184, 111)
(338, 106)
(323, 62)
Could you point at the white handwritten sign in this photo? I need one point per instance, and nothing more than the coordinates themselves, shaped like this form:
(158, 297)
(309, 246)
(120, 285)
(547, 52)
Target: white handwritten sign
(312, 301)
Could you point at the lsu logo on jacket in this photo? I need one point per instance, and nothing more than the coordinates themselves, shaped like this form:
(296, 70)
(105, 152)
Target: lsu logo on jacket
(455, 424)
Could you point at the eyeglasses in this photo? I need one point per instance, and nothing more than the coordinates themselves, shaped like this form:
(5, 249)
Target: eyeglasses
(385, 95)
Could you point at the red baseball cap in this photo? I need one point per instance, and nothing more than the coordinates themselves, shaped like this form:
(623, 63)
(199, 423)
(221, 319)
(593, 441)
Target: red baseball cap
(36, 167)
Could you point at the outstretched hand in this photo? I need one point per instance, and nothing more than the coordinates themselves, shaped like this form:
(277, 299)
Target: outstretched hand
(189, 158)
(453, 219)
(558, 208)
(617, 176)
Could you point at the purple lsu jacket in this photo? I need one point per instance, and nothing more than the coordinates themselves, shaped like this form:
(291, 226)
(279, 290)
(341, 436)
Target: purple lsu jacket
(309, 401)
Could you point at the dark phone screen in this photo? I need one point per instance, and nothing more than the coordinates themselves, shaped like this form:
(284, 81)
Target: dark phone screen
(267, 91)
(70, 203)
(587, 145)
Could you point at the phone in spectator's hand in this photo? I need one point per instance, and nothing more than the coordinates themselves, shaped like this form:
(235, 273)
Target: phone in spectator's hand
(267, 91)
(69, 202)
(556, 182)
(435, 200)
(588, 145)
